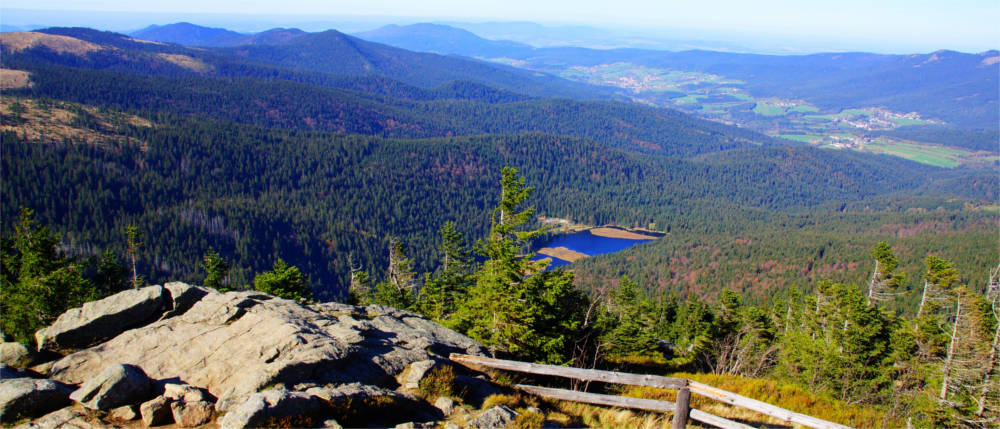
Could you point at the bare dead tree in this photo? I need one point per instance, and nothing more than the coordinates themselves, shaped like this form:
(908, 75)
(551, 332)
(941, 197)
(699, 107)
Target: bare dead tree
(990, 382)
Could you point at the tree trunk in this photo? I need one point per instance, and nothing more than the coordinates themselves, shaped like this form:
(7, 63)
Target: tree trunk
(951, 349)
(871, 284)
(923, 300)
(135, 274)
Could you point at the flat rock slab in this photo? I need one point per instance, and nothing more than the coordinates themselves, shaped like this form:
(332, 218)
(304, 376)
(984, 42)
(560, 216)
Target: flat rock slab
(233, 344)
(99, 320)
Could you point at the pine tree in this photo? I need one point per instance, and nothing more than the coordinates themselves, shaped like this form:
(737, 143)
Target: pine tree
(133, 241)
(38, 282)
(885, 282)
(359, 292)
(515, 306)
(625, 320)
(397, 290)
(216, 269)
(444, 289)
(283, 281)
(111, 276)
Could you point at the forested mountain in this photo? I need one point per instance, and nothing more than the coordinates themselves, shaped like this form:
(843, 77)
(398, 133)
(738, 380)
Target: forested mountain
(957, 87)
(443, 39)
(185, 33)
(260, 159)
(181, 80)
(313, 198)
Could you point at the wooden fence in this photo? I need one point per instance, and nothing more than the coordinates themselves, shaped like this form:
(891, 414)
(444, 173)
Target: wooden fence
(681, 409)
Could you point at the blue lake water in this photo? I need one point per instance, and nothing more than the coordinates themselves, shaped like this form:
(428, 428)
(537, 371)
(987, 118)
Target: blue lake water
(586, 243)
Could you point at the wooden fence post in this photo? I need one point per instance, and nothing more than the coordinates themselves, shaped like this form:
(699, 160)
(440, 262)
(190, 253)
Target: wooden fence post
(683, 408)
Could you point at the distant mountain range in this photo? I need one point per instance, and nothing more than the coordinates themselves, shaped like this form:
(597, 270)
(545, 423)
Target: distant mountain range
(958, 88)
(184, 33)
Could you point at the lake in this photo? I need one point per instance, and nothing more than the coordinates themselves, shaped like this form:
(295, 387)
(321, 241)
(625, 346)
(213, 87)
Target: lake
(564, 249)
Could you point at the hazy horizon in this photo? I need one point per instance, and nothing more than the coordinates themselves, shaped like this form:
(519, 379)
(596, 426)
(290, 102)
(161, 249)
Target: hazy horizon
(776, 26)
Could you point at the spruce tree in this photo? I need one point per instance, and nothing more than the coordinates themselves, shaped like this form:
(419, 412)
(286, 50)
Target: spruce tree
(885, 281)
(625, 322)
(38, 281)
(515, 306)
(283, 281)
(216, 269)
(450, 283)
(397, 290)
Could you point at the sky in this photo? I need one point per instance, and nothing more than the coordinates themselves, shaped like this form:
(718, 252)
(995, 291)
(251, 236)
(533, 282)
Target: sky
(897, 26)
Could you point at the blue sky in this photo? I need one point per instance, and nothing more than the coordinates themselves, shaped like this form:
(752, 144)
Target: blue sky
(893, 25)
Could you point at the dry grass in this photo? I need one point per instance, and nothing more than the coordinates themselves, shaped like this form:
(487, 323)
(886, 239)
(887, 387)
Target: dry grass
(583, 415)
(439, 382)
(185, 61)
(14, 79)
(14, 42)
(55, 121)
(563, 253)
(620, 233)
(779, 394)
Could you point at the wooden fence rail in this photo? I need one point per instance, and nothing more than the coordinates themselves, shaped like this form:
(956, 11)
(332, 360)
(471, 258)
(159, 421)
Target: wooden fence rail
(671, 383)
(627, 402)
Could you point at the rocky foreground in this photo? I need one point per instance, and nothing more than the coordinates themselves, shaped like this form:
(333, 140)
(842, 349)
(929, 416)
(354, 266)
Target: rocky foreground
(189, 356)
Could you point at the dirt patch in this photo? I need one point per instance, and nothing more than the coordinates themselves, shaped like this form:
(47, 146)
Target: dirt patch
(989, 61)
(14, 79)
(185, 61)
(620, 233)
(14, 42)
(563, 253)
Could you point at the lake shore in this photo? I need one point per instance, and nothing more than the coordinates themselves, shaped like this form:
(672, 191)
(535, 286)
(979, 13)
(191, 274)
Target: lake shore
(562, 253)
(620, 233)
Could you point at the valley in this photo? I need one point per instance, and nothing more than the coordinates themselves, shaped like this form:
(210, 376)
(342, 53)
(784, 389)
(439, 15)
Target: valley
(727, 100)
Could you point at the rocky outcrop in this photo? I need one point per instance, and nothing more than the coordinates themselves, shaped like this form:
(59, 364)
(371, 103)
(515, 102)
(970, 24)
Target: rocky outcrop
(27, 397)
(258, 359)
(236, 343)
(99, 320)
(116, 386)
